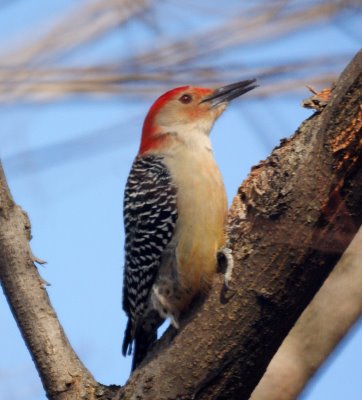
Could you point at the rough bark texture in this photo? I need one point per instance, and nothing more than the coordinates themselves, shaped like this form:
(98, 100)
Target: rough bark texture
(330, 315)
(62, 373)
(289, 224)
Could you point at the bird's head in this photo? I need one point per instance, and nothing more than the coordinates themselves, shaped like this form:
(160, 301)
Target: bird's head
(186, 111)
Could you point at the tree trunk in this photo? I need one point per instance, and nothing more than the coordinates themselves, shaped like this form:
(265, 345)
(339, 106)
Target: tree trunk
(330, 315)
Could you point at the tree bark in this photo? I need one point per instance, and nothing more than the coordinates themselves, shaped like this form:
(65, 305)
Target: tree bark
(290, 222)
(62, 373)
(326, 320)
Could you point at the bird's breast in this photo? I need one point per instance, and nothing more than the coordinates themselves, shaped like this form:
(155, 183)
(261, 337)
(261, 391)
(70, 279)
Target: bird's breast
(202, 210)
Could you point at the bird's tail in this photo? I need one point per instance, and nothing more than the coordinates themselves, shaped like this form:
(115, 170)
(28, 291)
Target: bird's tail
(143, 341)
(144, 335)
(128, 339)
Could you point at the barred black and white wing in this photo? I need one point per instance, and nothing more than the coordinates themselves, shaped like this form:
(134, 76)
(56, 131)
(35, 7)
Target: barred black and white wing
(150, 214)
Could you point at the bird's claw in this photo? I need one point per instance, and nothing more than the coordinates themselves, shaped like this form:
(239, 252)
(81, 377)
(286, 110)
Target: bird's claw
(225, 265)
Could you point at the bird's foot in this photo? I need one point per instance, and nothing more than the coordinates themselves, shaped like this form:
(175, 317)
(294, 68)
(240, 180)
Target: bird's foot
(225, 264)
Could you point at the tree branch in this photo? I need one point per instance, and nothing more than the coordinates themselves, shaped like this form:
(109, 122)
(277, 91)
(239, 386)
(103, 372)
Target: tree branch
(290, 222)
(60, 370)
(330, 315)
(31, 71)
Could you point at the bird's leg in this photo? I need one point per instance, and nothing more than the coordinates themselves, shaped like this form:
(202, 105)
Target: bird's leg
(225, 264)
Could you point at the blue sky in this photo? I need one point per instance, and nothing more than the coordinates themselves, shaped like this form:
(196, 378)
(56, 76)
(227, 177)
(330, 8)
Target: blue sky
(67, 163)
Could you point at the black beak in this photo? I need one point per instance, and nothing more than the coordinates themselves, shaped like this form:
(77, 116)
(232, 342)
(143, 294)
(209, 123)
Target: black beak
(229, 92)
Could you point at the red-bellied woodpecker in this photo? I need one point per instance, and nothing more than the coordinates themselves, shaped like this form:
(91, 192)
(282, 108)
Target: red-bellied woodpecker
(174, 211)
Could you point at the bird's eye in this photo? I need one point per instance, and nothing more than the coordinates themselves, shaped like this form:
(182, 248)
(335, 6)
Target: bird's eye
(186, 99)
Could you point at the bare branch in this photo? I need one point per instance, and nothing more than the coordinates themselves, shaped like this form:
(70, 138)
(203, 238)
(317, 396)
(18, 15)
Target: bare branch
(79, 27)
(32, 72)
(61, 371)
(49, 83)
(249, 26)
(326, 320)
